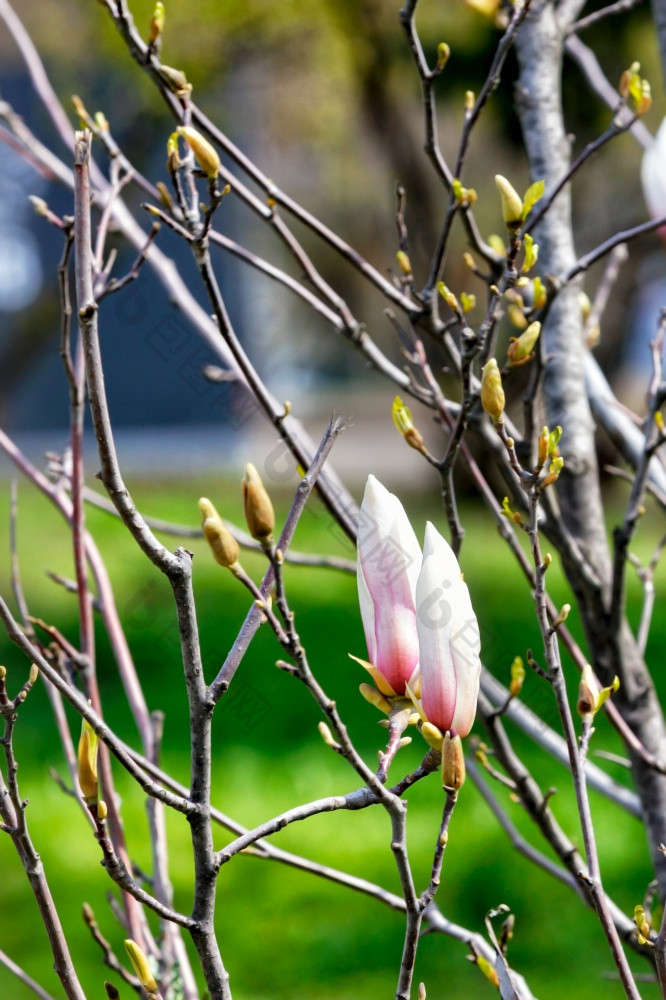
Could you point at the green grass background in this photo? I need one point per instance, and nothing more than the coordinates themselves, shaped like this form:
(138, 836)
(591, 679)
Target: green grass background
(283, 933)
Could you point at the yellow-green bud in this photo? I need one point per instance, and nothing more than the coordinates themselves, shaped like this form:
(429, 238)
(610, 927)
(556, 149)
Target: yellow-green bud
(156, 23)
(517, 677)
(175, 79)
(87, 762)
(204, 152)
(488, 970)
(102, 811)
(512, 203)
(520, 349)
(141, 966)
(642, 924)
(492, 392)
(591, 695)
(453, 763)
(402, 418)
(327, 736)
(34, 673)
(259, 513)
(404, 262)
(39, 205)
(224, 546)
(443, 53)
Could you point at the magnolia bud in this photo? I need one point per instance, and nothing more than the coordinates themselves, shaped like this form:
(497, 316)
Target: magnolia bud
(443, 53)
(141, 966)
(205, 153)
(156, 23)
(259, 513)
(404, 262)
(402, 418)
(224, 546)
(512, 203)
(591, 695)
(517, 677)
(520, 349)
(492, 393)
(453, 763)
(87, 763)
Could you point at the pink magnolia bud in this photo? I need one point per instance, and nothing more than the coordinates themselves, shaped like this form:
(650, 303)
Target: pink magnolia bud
(448, 639)
(389, 558)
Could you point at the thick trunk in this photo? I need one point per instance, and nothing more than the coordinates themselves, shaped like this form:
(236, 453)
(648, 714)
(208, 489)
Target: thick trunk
(538, 100)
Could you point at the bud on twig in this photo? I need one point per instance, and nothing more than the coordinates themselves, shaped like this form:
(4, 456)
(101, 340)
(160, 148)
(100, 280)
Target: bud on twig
(591, 695)
(156, 23)
(453, 763)
(517, 677)
(520, 350)
(141, 966)
(224, 546)
(402, 418)
(87, 763)
(443, 53)
(512, 203)
(259, 514)
(492, 392)
(204, 152)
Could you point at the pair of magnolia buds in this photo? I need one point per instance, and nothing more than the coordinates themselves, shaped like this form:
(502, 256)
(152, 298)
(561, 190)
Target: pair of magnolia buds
(259, 516)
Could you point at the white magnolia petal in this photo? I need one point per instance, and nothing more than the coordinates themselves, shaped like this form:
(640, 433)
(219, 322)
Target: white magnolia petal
(449, 638)
(434, 619)
(388, 561)
(367, 615)
(653, 174)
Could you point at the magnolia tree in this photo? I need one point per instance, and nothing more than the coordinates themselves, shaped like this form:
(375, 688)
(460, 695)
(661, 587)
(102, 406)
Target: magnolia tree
(426, 669)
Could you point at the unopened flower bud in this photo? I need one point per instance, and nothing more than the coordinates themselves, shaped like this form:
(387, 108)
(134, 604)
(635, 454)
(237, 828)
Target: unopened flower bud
(102, 811)
(34, 673)
(404, 262)
(512, 203)
(517, 677)
(327, 736)
(488, 970)
(642, 924)
(224, 546)
(520, 349)
(156, 23)
(591, 695)
(542, 446)
(402, 418)
(87, 762)
(453, 763)
(204, 152)
(141, 966)
(492, 393)
(259, 513)
(39, 205)
(111, 991)
(175, 79)
(443, 53)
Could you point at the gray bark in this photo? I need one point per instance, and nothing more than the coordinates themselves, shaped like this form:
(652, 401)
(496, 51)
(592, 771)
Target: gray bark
(539, 48)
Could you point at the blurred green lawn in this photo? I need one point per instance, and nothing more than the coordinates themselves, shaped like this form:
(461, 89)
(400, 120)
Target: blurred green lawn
(284, 933)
